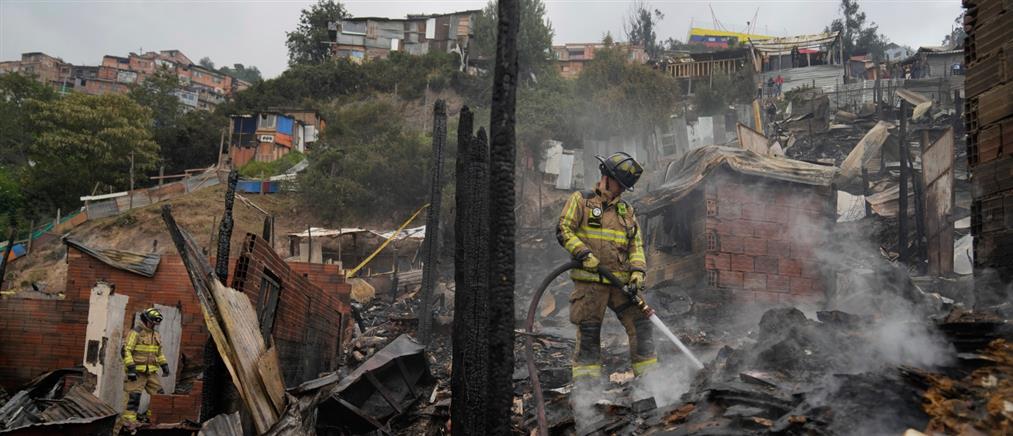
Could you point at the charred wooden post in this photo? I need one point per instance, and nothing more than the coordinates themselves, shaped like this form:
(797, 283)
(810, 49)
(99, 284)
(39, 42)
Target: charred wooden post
(902, 200)
(432, 247)
(470, 345)
(502, 224)
(865, 189)
(225, 231)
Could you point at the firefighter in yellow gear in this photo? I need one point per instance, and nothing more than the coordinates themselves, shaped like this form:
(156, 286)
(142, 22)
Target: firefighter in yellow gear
(143, 358)
(599, 228)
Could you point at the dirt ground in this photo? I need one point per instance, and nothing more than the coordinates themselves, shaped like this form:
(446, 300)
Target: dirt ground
(142, 230)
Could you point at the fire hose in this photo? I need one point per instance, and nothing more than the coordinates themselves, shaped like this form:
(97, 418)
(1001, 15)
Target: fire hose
(529, 352)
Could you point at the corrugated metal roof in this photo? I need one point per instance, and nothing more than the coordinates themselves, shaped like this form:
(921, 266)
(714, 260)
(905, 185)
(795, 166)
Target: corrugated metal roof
(77, 403)
(778, 45)
(686, 173)
(826, 77)
(137, 263)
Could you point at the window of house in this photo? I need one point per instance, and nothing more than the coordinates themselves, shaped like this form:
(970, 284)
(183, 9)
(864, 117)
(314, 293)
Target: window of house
(267, 121)
(267, 307)
(675, 235)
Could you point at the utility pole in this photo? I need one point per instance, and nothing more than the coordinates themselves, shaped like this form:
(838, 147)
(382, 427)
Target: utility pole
(131, 180)
(902, 201)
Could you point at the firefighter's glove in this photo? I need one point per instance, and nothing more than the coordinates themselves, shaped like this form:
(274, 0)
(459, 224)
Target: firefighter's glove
(165, 370)
(590, 262)
(637, 280)
(132, 373)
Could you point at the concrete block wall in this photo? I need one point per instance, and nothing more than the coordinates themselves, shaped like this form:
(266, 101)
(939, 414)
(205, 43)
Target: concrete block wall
(763, 237)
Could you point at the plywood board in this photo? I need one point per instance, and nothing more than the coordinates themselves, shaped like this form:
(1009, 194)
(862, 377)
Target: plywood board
(752, 140)
(937, 177)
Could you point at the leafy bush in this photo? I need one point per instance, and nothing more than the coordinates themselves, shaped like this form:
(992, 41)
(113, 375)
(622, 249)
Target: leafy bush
(255, 169)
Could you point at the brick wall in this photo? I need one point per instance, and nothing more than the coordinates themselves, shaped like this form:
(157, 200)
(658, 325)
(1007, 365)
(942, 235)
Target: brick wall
(764, 236)
(38, 336)
(313, 312)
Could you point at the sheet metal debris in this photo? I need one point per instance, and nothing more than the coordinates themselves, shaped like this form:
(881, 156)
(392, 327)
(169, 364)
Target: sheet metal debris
(380, 389)
(46, 406)
(686, 173)
(144, 264)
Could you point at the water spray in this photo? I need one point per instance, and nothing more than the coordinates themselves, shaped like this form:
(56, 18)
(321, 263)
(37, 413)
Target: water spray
(631, 291)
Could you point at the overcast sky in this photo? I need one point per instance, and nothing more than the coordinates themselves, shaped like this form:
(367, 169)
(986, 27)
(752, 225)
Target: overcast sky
(252, 32)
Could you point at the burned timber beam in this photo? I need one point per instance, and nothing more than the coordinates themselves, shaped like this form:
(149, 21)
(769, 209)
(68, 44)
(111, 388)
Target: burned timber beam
(432, 247)
(501, 221)
(471, 299)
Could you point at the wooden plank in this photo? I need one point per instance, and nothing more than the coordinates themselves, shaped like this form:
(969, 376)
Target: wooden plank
(270, 371)
(868, 147)
(938, 179)
(171, 330)
(752, 140)
(233, 324)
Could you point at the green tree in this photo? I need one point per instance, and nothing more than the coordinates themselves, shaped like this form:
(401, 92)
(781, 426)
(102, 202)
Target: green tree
(640, 25)
(16, 134)
(206, 63)
(623, 98)
(185, 139)
(534, 40)
(858, 37)
(308, 42)
(250, 74)
(83, 140)
(956, 37)
(367, 165)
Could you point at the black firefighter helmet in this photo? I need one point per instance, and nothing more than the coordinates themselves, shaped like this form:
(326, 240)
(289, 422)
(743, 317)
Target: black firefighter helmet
(622, 168)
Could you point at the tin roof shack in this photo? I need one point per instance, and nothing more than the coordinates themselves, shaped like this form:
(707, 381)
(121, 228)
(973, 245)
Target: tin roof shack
(934, 62)
(107, 288)
(740, 227)
(365, 38)
(269, 135)
(804, 60)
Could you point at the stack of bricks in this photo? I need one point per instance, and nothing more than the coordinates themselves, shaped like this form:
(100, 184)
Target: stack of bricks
(313, 311)
(988, 55)
(176, 408)
(763, 237)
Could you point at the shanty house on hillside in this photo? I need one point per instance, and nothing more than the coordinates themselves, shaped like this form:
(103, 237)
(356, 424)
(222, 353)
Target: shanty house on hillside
(740, 225)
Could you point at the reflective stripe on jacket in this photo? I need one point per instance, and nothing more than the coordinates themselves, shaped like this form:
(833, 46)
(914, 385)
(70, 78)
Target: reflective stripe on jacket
(143, 348)
(590, 223)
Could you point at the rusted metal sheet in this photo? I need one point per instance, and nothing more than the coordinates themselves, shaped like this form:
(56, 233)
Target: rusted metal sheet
(937, 176)
(137, 263)
(44, 409)
(377, 391)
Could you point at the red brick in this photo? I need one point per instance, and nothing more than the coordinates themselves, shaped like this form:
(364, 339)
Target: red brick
(742, 262)
(779, 248)
(730, 279)
(777, 283)
(765, 264)
(718, 261)
(754, 281)
(801, 285)
(743, 297)
(802, 249)
(752, 211)
(773, 231)
(767, 298)
(754, 246)
(730, 244)
(728, 210)
(789, 267)
(775, 214)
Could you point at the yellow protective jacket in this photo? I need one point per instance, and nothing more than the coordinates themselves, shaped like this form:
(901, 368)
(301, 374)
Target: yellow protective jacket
(143, 348)
(591, 223)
